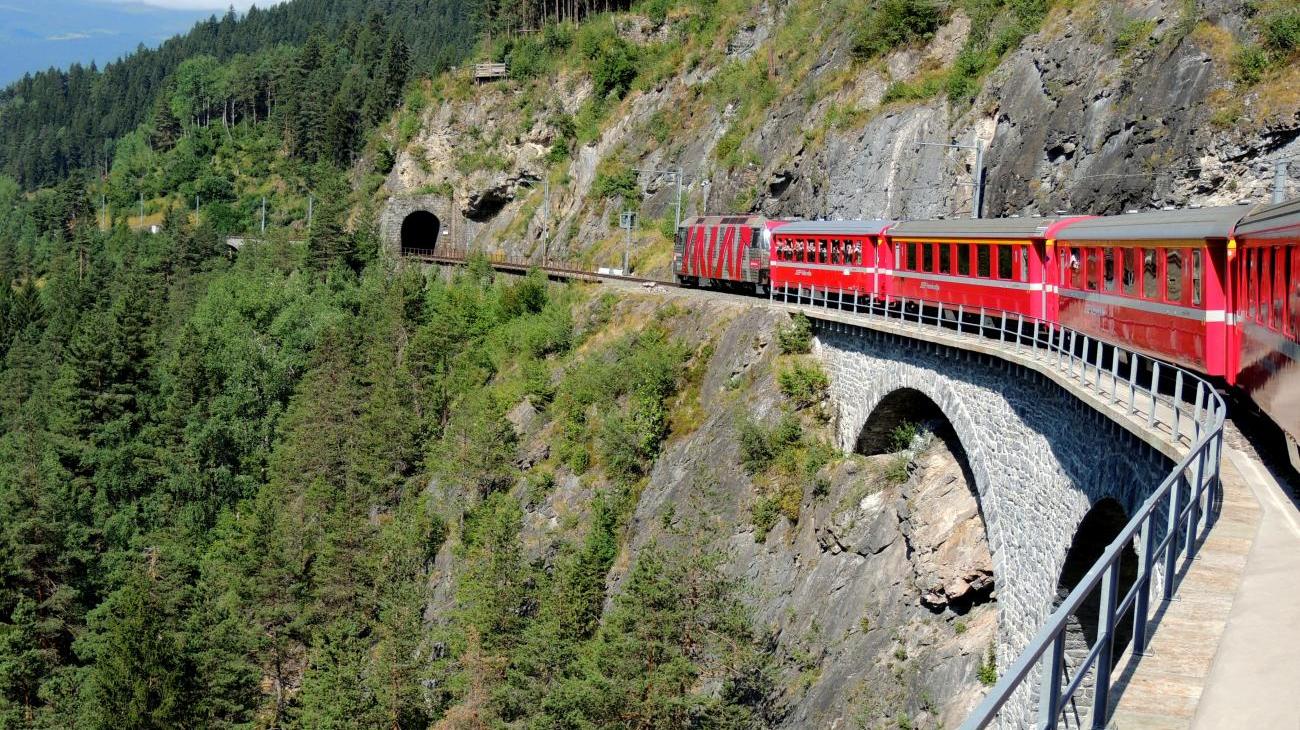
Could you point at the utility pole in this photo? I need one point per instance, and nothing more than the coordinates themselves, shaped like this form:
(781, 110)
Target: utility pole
(546, 219)
(977, 174)
(310, 200)
(677, 222)
(1279, 180)
(263, 215)
(627, 220)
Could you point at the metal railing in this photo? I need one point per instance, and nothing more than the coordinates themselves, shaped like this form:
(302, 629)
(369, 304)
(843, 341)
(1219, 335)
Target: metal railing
(1165, 529)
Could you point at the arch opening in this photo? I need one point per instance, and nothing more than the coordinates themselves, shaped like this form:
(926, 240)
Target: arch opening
(919, 449)
(1098, 529)
(420, 230)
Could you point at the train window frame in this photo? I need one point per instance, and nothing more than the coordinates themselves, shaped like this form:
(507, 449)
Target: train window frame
(1074, 264)
(1151, 280)
(1128, 278)
(1092, 268)
(1022, 259)
(945, 258)
(1264, 285)
(1108, 269)
(1249, 286)
(1006, 263)
(1175, 281)
(1198, 277)
(983, 261)
(1279, 289)
(837, 252)
(927, 257)
(964, 254)
(910, 257)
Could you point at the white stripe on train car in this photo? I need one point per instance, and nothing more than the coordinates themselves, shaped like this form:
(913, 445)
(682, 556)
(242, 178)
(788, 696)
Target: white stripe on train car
(968, 280)
(1170, 310)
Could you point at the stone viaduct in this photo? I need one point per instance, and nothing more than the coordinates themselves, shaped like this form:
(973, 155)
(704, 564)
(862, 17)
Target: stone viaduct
(1043, 461)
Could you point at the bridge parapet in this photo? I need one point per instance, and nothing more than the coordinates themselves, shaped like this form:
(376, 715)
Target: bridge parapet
(1170, 409)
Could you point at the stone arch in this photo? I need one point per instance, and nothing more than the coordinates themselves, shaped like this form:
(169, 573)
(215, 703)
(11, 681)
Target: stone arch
(1096, 531)
(869, 426)
(420, 231)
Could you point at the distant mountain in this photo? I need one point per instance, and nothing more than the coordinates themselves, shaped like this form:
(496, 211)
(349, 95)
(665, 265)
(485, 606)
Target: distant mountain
(57, 33)
(56, 122)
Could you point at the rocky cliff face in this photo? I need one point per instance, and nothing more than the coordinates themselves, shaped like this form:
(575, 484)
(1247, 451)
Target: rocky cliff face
(1107, 107)
(878, 602)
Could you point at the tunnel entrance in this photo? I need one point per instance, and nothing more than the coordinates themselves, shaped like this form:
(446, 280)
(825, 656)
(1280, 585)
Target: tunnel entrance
(420, 232)
(1095, 532)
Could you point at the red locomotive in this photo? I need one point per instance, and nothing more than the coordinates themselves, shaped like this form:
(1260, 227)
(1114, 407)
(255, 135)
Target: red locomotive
(1216, 290)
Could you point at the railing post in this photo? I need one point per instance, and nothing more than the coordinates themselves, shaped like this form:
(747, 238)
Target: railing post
(1049, 688)
(1194, 505)
(1106, 635)
(1132, 380)
(1171, 549)
(1199, 410)
(1155, 393)
(1178, 404)
(1141, 605)
(961, 319)
(1002, 334)
(1114, 373)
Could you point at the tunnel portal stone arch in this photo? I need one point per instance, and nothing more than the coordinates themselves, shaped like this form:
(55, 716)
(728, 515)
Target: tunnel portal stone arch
(420, 231)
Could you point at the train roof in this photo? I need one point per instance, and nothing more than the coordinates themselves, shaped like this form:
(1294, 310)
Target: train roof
(1185, 223)
(744, 219)
(846, 228)
(1033, 227)
(1271, 220)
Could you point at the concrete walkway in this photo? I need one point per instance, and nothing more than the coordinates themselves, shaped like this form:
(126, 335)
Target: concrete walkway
(1255, 680)
(1225, 653)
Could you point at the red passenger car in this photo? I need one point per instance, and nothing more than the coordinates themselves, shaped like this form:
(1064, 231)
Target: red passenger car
(1265, 329)
(1153, 282)
(829, 256)
(723, 250)
(996, 263)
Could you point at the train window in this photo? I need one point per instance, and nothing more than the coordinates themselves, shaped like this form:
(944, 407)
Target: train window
(1251, 282)
(910, 263)
(1108, 269)
(945, 258)
(982, 263)
(1150, 274)
(1173, 275)
(1265, 284)
(1076, 268)
(1129, 276)
(1198, 278)
(1024, 262)
(836, 251)
(1279, 288)
(857, 253)
(1005, 259)
(927, 256)
(963, 259)
(1092, 270)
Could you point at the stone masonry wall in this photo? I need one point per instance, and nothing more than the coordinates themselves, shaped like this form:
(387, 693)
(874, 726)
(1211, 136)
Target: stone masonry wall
(1040, 459)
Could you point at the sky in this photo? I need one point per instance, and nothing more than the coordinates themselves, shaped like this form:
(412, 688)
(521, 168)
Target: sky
(37, 34)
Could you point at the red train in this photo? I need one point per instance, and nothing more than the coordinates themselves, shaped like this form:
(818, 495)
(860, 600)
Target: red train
(1215, 290)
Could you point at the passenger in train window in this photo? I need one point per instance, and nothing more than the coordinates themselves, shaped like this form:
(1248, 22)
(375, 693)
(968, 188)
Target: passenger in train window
(1173, 275)
(1129, 276)
(822, 248)
(1090, 274)
(857, 252)
(1076, 266)
(1150, 274)
(1024, 262)
(1108, 269)
(1197, 277)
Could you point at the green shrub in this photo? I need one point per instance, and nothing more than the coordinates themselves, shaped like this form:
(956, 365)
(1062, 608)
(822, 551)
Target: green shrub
(921, 90)
(616, 180)
(764, 513)
(795, 339)
(895, 23)
(1250, 62)
(988, 669)
(1281, 31)
(803, 383)
(655, 10)
(1133, 34)
(903, 435)
(755, 447)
